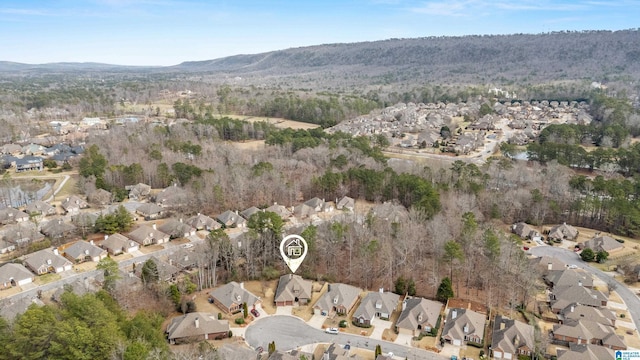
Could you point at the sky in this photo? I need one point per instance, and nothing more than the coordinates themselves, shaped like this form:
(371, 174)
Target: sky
(168, 32)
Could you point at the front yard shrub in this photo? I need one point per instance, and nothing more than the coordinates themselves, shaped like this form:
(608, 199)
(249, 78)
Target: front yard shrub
(355, 323)
(343, 323)
(239, 321)
(475, 344)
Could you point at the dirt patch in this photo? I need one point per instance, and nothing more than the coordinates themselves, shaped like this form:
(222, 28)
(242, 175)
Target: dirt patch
(151, 248)
(389, 335)
(467, 304)
(249, 145)
(277, 122)
(428, 343)
(265, 290)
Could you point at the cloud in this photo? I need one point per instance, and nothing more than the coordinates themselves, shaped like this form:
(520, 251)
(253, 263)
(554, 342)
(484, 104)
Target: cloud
(477, 7)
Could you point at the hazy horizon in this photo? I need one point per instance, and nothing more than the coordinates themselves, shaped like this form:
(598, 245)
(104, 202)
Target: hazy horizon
(169, 32)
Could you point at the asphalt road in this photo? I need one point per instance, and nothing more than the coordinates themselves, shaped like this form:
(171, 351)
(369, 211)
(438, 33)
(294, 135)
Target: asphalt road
(290, 332)
(570, 258)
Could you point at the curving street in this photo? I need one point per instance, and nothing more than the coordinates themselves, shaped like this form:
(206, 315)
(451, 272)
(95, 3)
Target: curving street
(290, 332)
(570, 258)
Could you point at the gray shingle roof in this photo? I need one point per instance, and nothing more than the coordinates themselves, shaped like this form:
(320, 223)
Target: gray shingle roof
(459, 319)
(232, 293)
(292, 286)
(419, 311)
(184, 326)
(338, 295)
(375, 302)
(510, 335)
(82, 248)
(16, 272)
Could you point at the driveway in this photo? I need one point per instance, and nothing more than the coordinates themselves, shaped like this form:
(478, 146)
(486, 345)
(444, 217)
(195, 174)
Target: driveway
(569, 257)
(404, 339)
(317, 321)
(284, 310)
(378, 328)
(290, 333)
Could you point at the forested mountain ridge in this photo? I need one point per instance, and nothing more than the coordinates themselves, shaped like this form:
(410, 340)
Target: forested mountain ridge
(541, 57)
(529, 58)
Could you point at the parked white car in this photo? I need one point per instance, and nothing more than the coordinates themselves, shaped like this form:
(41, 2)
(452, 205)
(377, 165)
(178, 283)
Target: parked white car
(333, 331)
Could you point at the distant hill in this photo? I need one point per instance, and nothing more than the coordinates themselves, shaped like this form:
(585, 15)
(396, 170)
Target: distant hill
(588, 55)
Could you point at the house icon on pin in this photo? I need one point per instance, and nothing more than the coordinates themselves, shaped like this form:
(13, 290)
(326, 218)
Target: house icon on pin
(294, 248)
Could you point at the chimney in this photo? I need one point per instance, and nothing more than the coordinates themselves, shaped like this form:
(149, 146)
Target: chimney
(404, 304)
(153, 226)
(180, 219)
(197, 323)
(55, 251)
(242, 285)
(454, 314)
(91, 241)
(579, 282)
(549, 266)
(67, 199)
(198, 214)
(381, 290)
(86, 252)
(171, 263)
(106, 237)
(502, 325)
(572, 308)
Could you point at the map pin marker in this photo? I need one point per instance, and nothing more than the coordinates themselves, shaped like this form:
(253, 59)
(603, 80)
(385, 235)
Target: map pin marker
(293, 249)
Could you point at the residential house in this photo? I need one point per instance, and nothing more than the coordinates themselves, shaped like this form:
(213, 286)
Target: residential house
(585, 331)
(319, 205)
(203, 222)
(183, 259)
(545, 264)
(6, 246)
(346, 203)
(196, 327)
(12, 149)
(375, 304)
(39, 209)
(14, 275)
(172, 197)
(576, 312)
(47, 261)
(166, 271)
(564, 297)
(177, 229)
(10, 215)
(82, 251)
(231, 219)
(303, 211)
(584, 352)
(73, 204)
(248, 212)
(57, 228)
(418, 316)
(511, 339)
(524, 230)
(231, 297)
(100, 197)
(389, 211)
(563, 232)
(12, 307)
(148, 235)
(21, 234)
(139, 191)
(464, 325)
(150, 211)
(603, 243)
(568, 277)
(117, 244)
(281, 210)
(339, 299)
(292, 290)
(29, 163)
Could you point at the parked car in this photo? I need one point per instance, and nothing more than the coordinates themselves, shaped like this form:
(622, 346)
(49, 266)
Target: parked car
(333, 331)
(255, 313)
